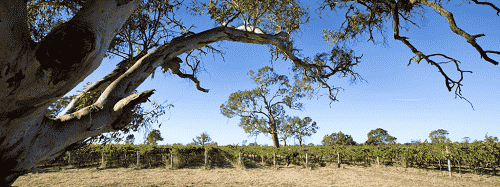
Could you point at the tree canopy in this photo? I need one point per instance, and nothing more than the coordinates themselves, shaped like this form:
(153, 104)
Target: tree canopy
(245, 104)
(202, 139)
(380, 136)
(338, 139)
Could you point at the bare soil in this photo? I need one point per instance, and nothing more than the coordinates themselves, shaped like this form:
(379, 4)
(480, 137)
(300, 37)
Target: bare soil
(329, 175)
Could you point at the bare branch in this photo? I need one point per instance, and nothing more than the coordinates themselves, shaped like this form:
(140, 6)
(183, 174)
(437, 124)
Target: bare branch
(421, 56)
(451, 22)
(489, 4)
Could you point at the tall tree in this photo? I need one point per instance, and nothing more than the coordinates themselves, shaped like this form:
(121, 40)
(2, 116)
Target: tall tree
(297, 128)
(202, 139)
(375, 14)
(56, 56)
(245, 103)
(439, 136)
(302, 128)
(379, 136)
(153, 137)
(337, 139)
(130, 139)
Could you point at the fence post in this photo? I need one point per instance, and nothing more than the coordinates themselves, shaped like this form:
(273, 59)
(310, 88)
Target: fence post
(378, 163)
(69, 160)
(306, 160)
(274, 160)
(138, 158)
(239, 161)
(262, 156)
(206, 158)
(102, 161)
(338, 160)
(449, 168)
(171, 160)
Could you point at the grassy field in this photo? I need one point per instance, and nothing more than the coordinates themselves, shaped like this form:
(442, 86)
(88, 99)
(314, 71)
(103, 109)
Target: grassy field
(257, 175)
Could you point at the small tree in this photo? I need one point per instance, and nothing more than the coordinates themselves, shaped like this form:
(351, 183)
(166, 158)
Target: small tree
(439, 136)
(300, 127)
(490, 138)
(379, 136)
(153, 137)
(130, 139)
(338, 139)
(200, 140)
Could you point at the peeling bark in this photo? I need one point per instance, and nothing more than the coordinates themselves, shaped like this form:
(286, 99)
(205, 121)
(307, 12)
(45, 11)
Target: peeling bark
(36, 75)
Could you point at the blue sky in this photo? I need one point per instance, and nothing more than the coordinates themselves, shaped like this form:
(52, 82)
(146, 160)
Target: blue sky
(407, 101)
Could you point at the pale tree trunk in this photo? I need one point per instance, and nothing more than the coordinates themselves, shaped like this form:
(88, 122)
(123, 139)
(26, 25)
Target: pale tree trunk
(34, 75)
(276, 142)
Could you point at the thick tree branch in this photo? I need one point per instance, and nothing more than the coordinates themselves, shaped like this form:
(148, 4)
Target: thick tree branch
(15, 40)
(453, 26)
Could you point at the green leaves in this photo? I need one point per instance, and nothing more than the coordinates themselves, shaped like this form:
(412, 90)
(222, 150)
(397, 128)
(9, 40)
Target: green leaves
(338, 139)
(272, 16)
(202, 139)
(379, 136)
(245, 104)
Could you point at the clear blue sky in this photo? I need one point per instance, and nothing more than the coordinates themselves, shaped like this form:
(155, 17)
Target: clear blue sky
(407, 101)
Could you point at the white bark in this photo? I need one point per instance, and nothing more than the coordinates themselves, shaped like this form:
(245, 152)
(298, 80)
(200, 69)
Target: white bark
(31, 81)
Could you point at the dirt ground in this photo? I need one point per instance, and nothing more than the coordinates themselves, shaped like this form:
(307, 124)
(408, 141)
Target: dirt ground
(329, 175)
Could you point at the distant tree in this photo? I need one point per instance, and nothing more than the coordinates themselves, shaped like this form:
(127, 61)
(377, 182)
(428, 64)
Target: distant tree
(243, 142)
(201, 140)
(153, 137)
(439, 136)
(213, 143)
(466, 140)
(416, 142)
(310, 145)
(379, 136)
(490, 138)
(298, 128)
(338, 139)
(130, 139)
(244, 103)
(252, 144)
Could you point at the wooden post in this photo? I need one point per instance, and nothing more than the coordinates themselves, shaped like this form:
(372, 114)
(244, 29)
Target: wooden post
(338, 160)
(378, 163)
(171, 160)
(262, 156)
(206, 158)
(493, 166)
(274, 161)
(102, 161)
(239, 161)
(449, 168)
(306, 160)
(69, 160)
(138, 156)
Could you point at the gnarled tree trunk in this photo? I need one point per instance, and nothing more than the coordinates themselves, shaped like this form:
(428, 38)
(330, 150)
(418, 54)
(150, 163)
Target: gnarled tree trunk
(34, 75)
